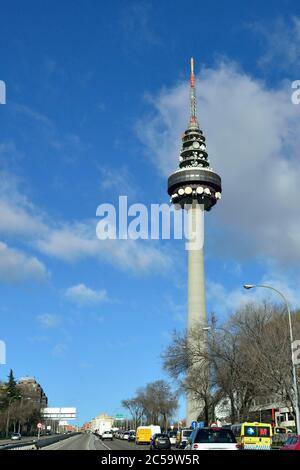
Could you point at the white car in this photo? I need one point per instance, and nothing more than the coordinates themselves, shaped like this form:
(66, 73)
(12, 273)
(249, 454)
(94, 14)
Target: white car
(212, 439)
(16, 436)
(125, 435)
(107, 435)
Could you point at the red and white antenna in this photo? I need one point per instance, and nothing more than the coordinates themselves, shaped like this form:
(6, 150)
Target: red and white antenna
(193, 98)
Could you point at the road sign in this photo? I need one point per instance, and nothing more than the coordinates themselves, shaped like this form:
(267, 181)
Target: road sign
(194, 424)
(120, 416)
(201, 424)
(39, 425)
(214, 425)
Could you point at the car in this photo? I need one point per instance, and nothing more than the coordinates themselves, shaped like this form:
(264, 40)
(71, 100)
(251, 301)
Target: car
(160, 442)
(107, 435)
(292, 443)
(16, 436)
(172, 437)
(125, 435)
(212, 439)
(131, 437)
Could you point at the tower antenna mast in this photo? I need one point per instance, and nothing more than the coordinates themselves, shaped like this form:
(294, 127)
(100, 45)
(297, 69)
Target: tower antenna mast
(193, 98)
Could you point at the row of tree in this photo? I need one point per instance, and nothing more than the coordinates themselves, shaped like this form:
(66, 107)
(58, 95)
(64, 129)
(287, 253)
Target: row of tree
(19, 412)
(155, 403)
(242, 362)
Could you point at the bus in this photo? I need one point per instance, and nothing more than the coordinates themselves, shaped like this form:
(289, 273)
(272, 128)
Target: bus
(255, 436)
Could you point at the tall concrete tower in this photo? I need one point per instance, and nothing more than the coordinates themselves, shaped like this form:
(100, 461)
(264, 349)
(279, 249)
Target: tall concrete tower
(196, 188)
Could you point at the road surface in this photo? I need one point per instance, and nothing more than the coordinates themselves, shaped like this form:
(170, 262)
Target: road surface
(91, 442)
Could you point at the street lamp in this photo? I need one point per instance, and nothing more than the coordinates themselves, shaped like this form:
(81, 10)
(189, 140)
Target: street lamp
(294, 372)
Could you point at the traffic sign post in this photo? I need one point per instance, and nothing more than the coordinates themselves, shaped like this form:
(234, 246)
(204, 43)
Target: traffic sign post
(194, 424)
(39, 426)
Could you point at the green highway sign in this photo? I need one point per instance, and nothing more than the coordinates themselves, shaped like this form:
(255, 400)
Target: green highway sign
(120, 416)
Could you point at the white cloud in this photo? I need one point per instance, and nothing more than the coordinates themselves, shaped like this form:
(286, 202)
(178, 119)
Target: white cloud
(83, 295)
(19, 217)
(16, 266)
(48, 320)
(281, 43)
(253, 137)
(223, 301)
(71, 242)
(76, 241)
(119, 182)
(59, 350)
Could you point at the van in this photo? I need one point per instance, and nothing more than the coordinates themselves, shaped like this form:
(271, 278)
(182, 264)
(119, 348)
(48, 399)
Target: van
(182, 437)
(144, 434)
(255, 436)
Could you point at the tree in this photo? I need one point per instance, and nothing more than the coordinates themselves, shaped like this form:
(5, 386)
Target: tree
(155, 402)
(135, 408)
(11, 387)
(159, 402)
(244, 361)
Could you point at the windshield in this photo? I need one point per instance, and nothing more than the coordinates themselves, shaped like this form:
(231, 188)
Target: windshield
(214, 436)
(187, 433)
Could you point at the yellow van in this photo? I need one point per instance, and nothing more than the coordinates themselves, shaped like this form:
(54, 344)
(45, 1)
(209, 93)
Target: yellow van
(256, 436)
(143, 435)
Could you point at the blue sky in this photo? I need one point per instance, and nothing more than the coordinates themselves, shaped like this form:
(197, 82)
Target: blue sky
(97, 99)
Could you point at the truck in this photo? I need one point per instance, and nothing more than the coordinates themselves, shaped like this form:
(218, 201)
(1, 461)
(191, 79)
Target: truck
(103, 426)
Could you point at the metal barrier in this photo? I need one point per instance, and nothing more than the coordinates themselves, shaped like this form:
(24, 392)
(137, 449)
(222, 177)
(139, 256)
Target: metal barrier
(37, 444)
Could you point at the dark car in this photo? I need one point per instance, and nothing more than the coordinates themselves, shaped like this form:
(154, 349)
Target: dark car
(131, 437)
(160, 442)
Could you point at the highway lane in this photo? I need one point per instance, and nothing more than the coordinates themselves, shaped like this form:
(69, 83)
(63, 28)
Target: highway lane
(79, 442)
(91, 442)
(118, 444)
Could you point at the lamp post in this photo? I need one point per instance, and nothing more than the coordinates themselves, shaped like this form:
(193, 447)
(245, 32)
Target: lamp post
(294, 371)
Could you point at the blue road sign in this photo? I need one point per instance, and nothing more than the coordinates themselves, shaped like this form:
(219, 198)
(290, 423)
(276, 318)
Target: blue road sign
(194, 424)
(200, 424)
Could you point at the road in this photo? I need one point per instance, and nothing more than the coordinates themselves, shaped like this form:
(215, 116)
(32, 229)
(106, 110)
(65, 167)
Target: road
(91, 442)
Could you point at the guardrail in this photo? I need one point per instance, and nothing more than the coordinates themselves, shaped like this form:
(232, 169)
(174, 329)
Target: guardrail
(37, 444)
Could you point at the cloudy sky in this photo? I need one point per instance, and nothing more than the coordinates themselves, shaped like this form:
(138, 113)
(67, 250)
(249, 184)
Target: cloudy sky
(97, 100)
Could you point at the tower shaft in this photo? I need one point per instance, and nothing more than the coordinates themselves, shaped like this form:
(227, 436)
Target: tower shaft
(197, 318)
(196, 277)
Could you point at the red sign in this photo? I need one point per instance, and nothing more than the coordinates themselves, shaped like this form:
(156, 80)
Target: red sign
(39, 425)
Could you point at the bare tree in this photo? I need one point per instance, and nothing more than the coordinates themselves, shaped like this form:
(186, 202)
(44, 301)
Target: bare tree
(135, 408)
(156, 402)
(246, 359)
